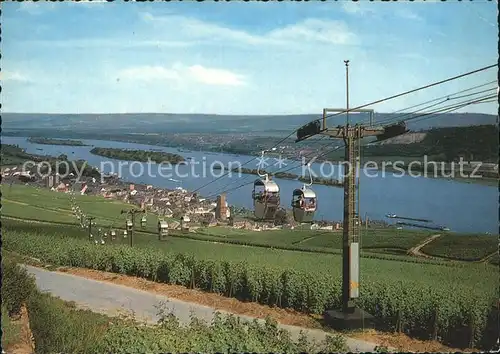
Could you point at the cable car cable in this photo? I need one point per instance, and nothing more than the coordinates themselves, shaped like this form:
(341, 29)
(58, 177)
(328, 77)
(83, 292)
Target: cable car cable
(415, 90)
(426, 115)
(433, 105)
(442, 98)
(449, 109)
(252, 176)
(366, 105)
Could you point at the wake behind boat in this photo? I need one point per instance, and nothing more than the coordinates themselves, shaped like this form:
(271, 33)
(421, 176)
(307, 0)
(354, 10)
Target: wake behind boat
(394, 216)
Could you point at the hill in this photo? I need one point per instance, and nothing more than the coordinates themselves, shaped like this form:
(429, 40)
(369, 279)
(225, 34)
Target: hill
(476, 143)
(184, 123)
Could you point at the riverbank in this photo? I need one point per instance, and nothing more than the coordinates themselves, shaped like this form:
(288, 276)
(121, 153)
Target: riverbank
(488, 176)
(380, 195)
(138, 155)
(49, 141)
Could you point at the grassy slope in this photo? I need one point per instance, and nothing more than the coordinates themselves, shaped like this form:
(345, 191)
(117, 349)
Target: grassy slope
(12, 155)
(372, 269)
(43, 205)
(495, 260)
(477, 280)
(472, 248)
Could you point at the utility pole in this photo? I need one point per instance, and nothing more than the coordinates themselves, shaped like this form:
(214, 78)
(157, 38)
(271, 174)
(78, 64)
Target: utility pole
(349, 316)
(91, 219)
(346, 62)
(130, 228)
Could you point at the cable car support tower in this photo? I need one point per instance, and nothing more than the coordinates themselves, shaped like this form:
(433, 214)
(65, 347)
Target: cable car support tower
(350, 317)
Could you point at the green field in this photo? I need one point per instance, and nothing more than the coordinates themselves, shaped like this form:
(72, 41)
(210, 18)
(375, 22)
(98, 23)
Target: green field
(461, 247)
(305, 281)
(278, 272)
(28, 203)
(495, 260)
(44, 205)
(38, 204)
(13, 155)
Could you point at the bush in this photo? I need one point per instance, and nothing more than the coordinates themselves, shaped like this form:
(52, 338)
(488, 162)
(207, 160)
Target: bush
(59, 328)
(17, 286)
(225, 334)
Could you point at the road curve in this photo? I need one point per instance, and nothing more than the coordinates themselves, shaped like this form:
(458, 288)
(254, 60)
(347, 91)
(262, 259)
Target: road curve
(110, 299)
(416, 251)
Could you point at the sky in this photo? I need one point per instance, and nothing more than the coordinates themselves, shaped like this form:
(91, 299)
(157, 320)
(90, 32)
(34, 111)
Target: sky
(241, 57)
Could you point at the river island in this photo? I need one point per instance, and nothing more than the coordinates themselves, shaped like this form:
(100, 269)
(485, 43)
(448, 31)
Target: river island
(138, 155)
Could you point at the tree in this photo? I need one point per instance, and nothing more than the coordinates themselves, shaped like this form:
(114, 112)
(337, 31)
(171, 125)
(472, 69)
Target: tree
(281, 217)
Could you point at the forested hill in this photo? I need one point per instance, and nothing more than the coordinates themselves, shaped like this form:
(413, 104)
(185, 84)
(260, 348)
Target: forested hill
(477, 143)
(182, 123)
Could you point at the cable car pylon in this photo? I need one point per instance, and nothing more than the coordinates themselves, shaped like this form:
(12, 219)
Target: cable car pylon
(350, 316)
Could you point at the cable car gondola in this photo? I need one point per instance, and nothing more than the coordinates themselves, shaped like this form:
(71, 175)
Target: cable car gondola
(304, 203)
(266, 197)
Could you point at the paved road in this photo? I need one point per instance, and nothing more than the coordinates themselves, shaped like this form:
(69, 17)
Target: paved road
(109, 298)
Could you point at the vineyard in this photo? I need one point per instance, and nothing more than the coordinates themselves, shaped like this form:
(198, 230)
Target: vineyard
(43, 205)
(59, 327)
(470, 248)
(495, 260)
(299, 269)
(422, 300)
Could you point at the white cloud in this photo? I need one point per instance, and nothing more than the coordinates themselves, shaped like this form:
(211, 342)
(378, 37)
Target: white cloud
(195, 28)
(408, 14)
(182, 73)
(181, 32)
(215, 76)
(355, 8)
(310, 30)
(315, 30)
(149, 73)
(110, 43)
(35, 8)
(86, 2)
(415, 56)
(13, 76)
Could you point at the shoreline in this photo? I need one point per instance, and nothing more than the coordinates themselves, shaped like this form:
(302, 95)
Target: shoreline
(154, 156)
(490, 181)
(54, 142)
(115, 182)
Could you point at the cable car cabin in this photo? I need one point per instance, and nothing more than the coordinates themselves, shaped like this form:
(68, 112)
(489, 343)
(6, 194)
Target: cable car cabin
(162, 229)
(266, 199)
(304, 204)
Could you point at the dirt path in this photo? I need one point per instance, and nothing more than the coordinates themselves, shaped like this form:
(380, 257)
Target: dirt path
(31, 221)
(303, 240)
(486, 258)
(416, 251)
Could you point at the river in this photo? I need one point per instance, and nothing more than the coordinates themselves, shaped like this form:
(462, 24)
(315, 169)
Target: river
(463, 207)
